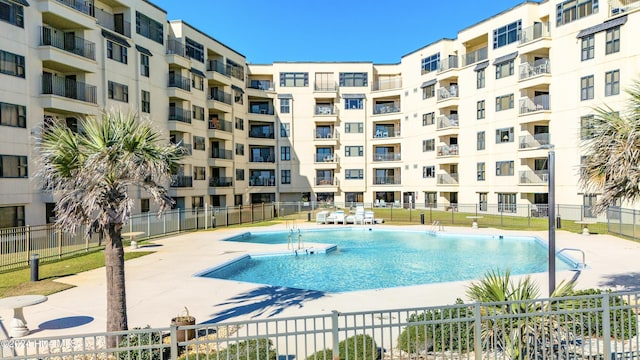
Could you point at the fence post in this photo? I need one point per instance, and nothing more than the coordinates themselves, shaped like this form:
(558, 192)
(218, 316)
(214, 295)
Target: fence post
(334, 334)
(430, 214)
(263, 212)
(606, 329)
(28, 243)
(226, 213)
(529, 215)
(409, 213)
(173, 330)
(477, 331)
(634, 225)
(59, 243)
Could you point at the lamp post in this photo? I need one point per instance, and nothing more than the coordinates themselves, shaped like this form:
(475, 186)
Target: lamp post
(552, 217)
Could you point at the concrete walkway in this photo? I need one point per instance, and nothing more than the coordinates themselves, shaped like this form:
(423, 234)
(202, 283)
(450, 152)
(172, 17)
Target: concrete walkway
(160, 285)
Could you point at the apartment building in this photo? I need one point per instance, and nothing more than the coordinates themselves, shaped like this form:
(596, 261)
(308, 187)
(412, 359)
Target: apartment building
(460, 121)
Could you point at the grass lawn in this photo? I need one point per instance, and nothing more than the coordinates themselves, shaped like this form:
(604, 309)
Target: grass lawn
(19, 282)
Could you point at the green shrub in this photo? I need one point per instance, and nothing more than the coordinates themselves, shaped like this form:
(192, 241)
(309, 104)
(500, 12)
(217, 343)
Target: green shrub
(438, 335)
(361, 347)
(254, 349)
(142, 339)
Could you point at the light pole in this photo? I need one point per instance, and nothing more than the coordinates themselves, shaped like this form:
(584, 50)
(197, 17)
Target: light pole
(551, 164)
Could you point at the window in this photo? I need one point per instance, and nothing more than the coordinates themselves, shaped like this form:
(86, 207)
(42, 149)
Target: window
(612, 83)
(118, 91)
(197, 82)
(12, 166)
(586, 127)
(428, 119)
(431, 63)
(480, 76)
(285, 153)
(145, 100)
(285, 130)
(504, 168)
(430, 199)
(572, 10)
(198, 143)
(12, 13)
(429, 91)
(612, 44)
(353, 151)
(294, 79)
(504, 69)
(144, 205)
(354, 174)
(149, 28)
(504, 102)
(353, 79)
(428, 145)
(116, 52)
(11, 216)
(239, 149)
(504, 135)
(588, 47)
(586, 88)
(353, 104)
(507, 34)
(197, 202)
(239, 174)
(480, 110)
(144, 65)
(353, 128)
(13, 115)
(198, 112)
(428, 172)
(239, 124)
(194, 50)
(285, 106)
(11, 64)
(198, 173)
(507, 202)
(480, 142)
(285, 176)
(238, 95)
(480, 171)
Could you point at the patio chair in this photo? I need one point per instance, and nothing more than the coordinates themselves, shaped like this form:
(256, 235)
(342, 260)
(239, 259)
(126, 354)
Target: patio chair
(368, 217)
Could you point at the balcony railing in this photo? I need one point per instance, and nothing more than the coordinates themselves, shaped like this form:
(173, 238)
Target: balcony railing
(224, 181)
(448, 63)
(387, 180)
(260, 84)
(72, 89)
(186, 148)
(262, 181)
(325, 87)
(75, 45)
(263, 158)
(326, 181)
(475, 56)
(179, 114)
(175, 47)
(179, 81)
(181, 181)
(447, 179)
(221, 96)
(388, 84)
(222, 125)
(261, 134)
(445, 122)
(534, 32)
(217, 153)
(219, 67)
(533, 141)
(531, 69)
(617, 7)
(325, 134)
(448, 150)
(326, 110)
(534, 177)
(386, 108)
(260, 110)
(80, 5)
(387, 157)
(386, 133)
(327, 158)
(537, 103)
(107, 20)
(445, 92)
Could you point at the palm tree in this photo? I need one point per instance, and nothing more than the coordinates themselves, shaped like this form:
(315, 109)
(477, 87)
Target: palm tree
(612, 153)
(91, 172)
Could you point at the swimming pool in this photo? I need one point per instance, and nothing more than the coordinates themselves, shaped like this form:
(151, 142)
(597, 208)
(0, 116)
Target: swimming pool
(366, 259)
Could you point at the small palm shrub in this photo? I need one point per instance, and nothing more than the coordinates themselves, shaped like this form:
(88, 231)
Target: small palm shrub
(140, 340)
(361, 347)
(254, 349)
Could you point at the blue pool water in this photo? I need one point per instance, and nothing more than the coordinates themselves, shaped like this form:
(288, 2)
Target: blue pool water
(373, 259)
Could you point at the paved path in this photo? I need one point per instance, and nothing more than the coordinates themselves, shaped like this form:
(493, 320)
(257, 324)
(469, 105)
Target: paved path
(160, 285)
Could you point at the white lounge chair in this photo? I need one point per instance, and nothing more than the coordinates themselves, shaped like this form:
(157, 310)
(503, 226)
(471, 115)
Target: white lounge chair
(336, 217)
(358, 218)
(321, 217)
(368, 217)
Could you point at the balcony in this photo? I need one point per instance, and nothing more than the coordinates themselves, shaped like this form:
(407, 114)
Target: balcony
(537, 31)
(219, 95)
(534, 177)
(262, 181)
(181, 181)
(533, 69)
(535, 104)
(113, 22)
(264, 85)
(175, 47)
(325, 87)
(269, 157)
(68, 88)
(388, 84)
(386, 108)
(179, 81)
(475, 56)
(224, 154)
(179, 114)
(224, 181)
(218, 67)
(187, 149)
(387, 180)
(385, 133)
(448, 150)
(326, 110)
(261, 108)
(59, 40)
(325, 134)
(447, 179)
(445, 93)
(619, 7)
(533, 141)
(262, 133)
(82, 6)
(326, 181)
(387, 157)
(445, 122)
(325, 158)
(222, 125)
(447, 64)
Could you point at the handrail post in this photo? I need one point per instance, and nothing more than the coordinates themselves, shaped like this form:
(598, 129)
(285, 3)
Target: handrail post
(174, 341)
(606, 323)
(335, 335)
(477, 331)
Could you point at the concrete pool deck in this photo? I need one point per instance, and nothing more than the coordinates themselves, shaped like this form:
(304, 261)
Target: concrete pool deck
(160, 285)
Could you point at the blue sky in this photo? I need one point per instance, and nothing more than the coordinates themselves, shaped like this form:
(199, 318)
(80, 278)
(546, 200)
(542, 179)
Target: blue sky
(380, 31)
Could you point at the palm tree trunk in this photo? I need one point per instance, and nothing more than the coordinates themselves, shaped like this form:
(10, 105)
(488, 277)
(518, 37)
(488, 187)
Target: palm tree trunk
(116, 296)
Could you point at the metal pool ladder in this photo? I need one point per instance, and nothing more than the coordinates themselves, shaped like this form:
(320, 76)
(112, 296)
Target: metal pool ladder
(436, 226)
(579, 266)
